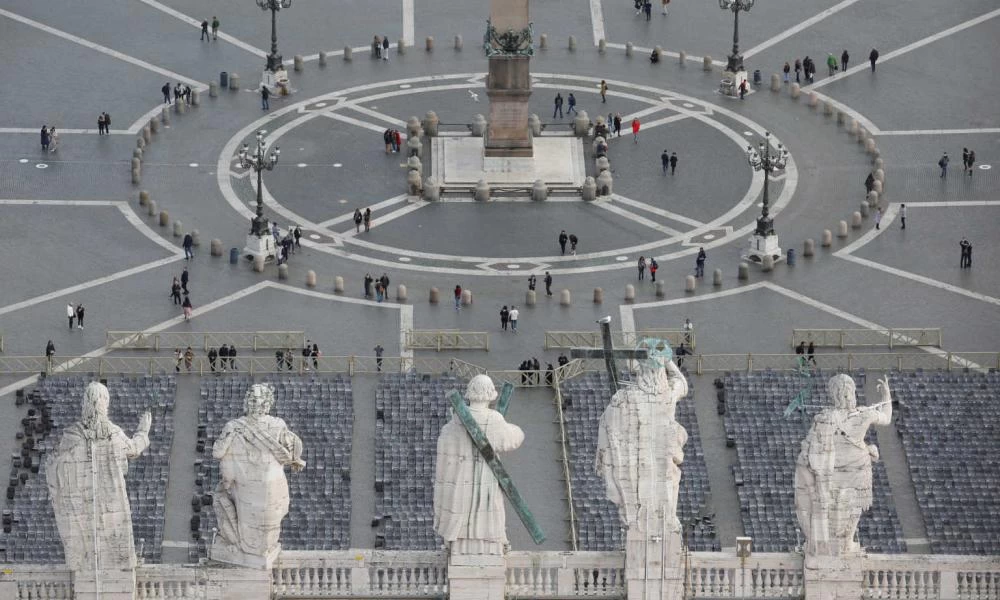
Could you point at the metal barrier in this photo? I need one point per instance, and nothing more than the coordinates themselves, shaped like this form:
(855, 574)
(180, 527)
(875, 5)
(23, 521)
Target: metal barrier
(592, 339)
(242, 340)
(447, 340)
(847, 338)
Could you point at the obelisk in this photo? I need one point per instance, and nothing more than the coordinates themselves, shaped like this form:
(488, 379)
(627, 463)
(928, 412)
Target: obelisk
(508, 46)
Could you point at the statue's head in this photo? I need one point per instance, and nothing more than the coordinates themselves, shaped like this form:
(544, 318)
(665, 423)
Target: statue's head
(481, 391)
(259, 400)
(95, 405)
(841, 389)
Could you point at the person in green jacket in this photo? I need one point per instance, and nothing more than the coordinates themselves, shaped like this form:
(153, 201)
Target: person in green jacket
(831, 61)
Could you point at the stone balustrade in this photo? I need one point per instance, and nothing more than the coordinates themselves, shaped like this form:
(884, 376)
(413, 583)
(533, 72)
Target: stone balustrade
(395, 574)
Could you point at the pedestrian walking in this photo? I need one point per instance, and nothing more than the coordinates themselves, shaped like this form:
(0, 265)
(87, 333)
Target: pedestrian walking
(314, 354)
(358, 217)
(166, 92)
(572, 243)
(80, 311)
(107, 124)
(215, 28)
(378, 349)
(514, 314)
(458, 297)
(798, 70)
(571, 102)
(45, 138)
(844, 58)
(213, 355)
(178, 359)
(831, 63)
(204, 31)
(100, 124)
(699, 268)
(604, 91)
(663, 7)
(902, 215)
(188, 245)
(965, 160)
(184, 280)
(387, 140)
(563, 238)
(297, 234)
(647, 7)
(70, 314)
(223, 357)
(878, 218)
(537, 368)
(377, 47)
(289, 359)
(786, 69)
(872, 57)
(397, 140)
(869, 184)
(368, 219)
(972, 161)
(743, 89)
(232, 357)
(653, 268)
(50, 352)
(178, 90)
(175, 291)
(665, 161)
(642, 267)
(504, 317)
(548, 283)
(800, 350)
(264, 95)
(558, 104)
(188, 358)
(943, 163)
(966, 260)
(368, 285)
(673, 162)
(811, 353)
(618, 124)
(186, 306)
(532, 280)
(635, 130)
(279, 359)
(385, 48)
(53, 139)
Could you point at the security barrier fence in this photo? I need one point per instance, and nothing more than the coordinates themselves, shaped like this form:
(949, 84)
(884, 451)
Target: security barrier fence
(447, 340)
(592, 339)
(848, 338)
(242, 340)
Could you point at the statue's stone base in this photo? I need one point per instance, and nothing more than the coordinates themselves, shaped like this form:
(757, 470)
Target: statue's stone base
(276, 82)
(476, 577)
(260, 246)
(225, 553)
(834, 577)
(653, 567)
(113, 585)
(458, 163)
(241, 584)
(761, 246)
(736, 80)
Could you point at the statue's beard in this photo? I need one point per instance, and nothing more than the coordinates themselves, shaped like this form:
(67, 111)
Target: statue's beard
(652, 381)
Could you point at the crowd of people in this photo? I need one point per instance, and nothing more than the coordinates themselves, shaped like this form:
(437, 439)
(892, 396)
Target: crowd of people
(377, 288)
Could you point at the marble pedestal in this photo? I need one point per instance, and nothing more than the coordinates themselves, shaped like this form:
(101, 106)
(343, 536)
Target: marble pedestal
(761, 246)
(737, 78)
(106, 584)
(260, 246)
(834, 577)
(276, 82)
(459, 162)
(508, 86)
(476, 577)
(225, 553)
(654, 569)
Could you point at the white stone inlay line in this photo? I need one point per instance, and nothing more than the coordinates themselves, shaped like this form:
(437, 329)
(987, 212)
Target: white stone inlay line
(376, 115)
(392, 216)
(103, 49)
(408, 30)
(350, 216)
(631, 216)
(336, 116)
(864, 65)
(197, 24)
(797, 28)
(989, 130)
(597, 20)
(62, 131)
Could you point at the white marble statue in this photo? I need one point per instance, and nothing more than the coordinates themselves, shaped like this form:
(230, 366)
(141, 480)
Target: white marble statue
(468, 502)
(833, 473)
(640, 446)
(86, 480)
(252, 497)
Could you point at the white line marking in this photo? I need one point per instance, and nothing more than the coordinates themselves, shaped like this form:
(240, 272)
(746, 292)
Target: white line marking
(631, 216)
(375, 114)
(989, 130)
(350, 216)
(597, 20)
(197, 24)
(665, 121)
(103, 49)
(408, 33)
(908, 48)
(336, 116)
(797, 28)
(63, 131)
(670, 53)
(656, 211)
(399, 212)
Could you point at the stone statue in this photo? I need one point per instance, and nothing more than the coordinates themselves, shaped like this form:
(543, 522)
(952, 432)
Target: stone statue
(252, 497)
(86, 480)
(468, 503)
(833, 473)
(640, 445)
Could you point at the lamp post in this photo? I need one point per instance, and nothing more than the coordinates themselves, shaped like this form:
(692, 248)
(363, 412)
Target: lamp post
(735, 63)
(274, 59)
(765, 240)
(260, 241)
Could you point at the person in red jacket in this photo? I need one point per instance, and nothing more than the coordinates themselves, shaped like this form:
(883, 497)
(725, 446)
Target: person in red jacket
(635, 130)
(458, 297)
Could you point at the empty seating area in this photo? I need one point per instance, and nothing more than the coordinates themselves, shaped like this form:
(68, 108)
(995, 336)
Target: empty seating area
(29, 528)
(320, 411)
(599, 526)
(950, 430)
(767, 445)
(410, 411)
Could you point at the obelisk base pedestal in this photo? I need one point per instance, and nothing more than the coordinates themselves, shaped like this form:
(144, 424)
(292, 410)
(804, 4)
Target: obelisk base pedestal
(834, 578)
(508, 86)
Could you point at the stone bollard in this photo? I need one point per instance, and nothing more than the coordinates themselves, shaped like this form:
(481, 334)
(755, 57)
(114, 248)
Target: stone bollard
(809, 247)
(629, 49)
(136, 176)
(870, 145)
(311, 278)
(862, 135)
(863, 209)
(605, 184)
(602, 164)
(690, 283)
(877, 186)
(767, 263)
(195, 237)
(661, 289)
(775, 82)
(717, 277)
(530, 297)
(338, 285)
(151, 208)
(458, 42)
(841, 117)
(658, 50)
(401, 46)
(565, 298)
(164, 218)
(795, 91)
(602, 45)
(466, 297)
(543, 41)
(401, 295)
(629, 293)
(435, 296)
(283, 271)
(535, 125)
(154, 125)
(413, 183)
(581, 124)
(478, 126)
(321, 58)
(413, 127)
(180, 106)
(842, 229)
(873, 198)
(165, 116)
(147, 133)
(482, 193)
(879, 173)
(297, 62)
(879, 165)
(743, 273)
(852, 127)
(598, 295)
(195, 97)
(216, 247)
(137, 153)
(432, 190)
(856, 220)
(539, 191)
(682, 57)
(140, 143)
(813, 99)
(706, 63)
(827, 238)
(213, 89)
(348, 53)
(413, 164)
(828, 108)
(258, 264)
(429, 43)
(431, 123)
(178, 229)
(143, 197)
(414, 147)
(589, 189)
(572, 43)
(136, 164)
(234, 81)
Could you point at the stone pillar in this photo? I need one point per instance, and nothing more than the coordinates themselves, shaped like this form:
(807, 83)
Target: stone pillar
(834, 577)
(113, 585)
(476, 577)
(653, 566)
(508, 86)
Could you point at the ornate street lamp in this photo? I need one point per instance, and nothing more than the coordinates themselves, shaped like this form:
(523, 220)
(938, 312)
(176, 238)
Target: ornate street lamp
(765, 240)
(260, 242)
(735, 63)
(274, 59)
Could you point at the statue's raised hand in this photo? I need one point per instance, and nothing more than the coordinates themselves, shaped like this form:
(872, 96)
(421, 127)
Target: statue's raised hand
(145, 421)
(883, 387)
